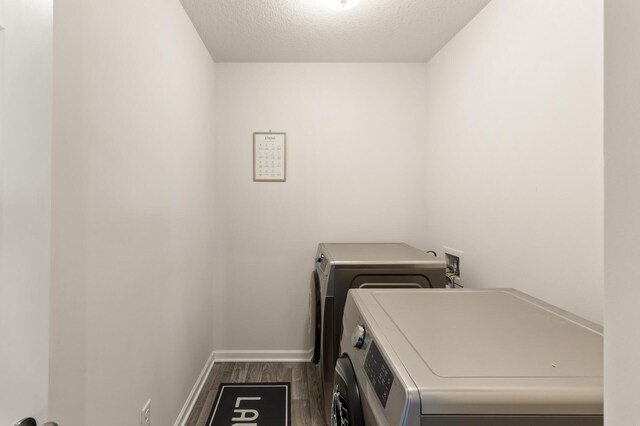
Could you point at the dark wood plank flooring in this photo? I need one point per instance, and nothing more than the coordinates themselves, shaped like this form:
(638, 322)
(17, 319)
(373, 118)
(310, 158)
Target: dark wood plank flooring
(305, 388)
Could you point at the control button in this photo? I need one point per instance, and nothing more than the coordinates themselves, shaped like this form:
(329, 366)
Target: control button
(357, 338)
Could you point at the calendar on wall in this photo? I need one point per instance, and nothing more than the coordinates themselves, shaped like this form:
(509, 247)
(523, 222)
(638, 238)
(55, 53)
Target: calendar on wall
(269, 157)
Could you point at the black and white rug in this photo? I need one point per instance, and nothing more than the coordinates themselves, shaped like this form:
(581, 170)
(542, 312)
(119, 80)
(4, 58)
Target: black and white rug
(252, 403)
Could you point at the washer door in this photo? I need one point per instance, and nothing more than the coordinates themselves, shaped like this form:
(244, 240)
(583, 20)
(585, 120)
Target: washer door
(346, 408)
(316, 316)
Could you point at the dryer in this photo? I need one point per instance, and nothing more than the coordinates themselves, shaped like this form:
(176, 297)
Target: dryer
(465, 358)
(342, 266)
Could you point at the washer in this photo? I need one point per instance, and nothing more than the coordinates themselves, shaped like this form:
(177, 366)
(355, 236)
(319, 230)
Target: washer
(342, 266)
(466, 357)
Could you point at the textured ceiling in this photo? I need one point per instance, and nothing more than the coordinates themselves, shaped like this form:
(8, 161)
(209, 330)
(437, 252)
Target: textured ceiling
(307, 31)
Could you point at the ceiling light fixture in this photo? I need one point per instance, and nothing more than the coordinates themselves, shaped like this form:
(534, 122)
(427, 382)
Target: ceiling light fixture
(340, 4)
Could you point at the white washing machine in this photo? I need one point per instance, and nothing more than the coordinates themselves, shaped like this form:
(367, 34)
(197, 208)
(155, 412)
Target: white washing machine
(440, 357)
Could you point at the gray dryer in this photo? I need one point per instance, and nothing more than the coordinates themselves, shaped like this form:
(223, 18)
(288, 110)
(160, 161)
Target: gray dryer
(342, 266)
(465, 357)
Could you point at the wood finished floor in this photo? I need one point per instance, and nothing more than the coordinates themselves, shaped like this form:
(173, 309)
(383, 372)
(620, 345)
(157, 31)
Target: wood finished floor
(303, 376)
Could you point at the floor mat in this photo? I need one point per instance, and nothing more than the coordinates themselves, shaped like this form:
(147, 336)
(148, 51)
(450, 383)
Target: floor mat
(252, 403)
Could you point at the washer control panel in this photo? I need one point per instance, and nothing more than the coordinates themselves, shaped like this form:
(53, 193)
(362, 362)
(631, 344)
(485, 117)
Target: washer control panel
(379, 373)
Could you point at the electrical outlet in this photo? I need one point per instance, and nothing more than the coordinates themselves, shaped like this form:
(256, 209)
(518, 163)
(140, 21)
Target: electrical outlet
(145, 414)
(453, 258)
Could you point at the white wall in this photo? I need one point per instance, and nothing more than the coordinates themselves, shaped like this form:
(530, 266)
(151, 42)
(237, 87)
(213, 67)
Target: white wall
(132, 211)
(622, 213)
(25, 213)
(355, 172)
(514, 150)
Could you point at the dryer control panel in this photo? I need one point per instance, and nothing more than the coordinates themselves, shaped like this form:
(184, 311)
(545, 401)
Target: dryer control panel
(379, 373)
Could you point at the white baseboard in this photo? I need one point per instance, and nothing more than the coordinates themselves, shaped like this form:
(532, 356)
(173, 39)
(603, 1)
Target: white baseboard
(195, 391)
(262, 355)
